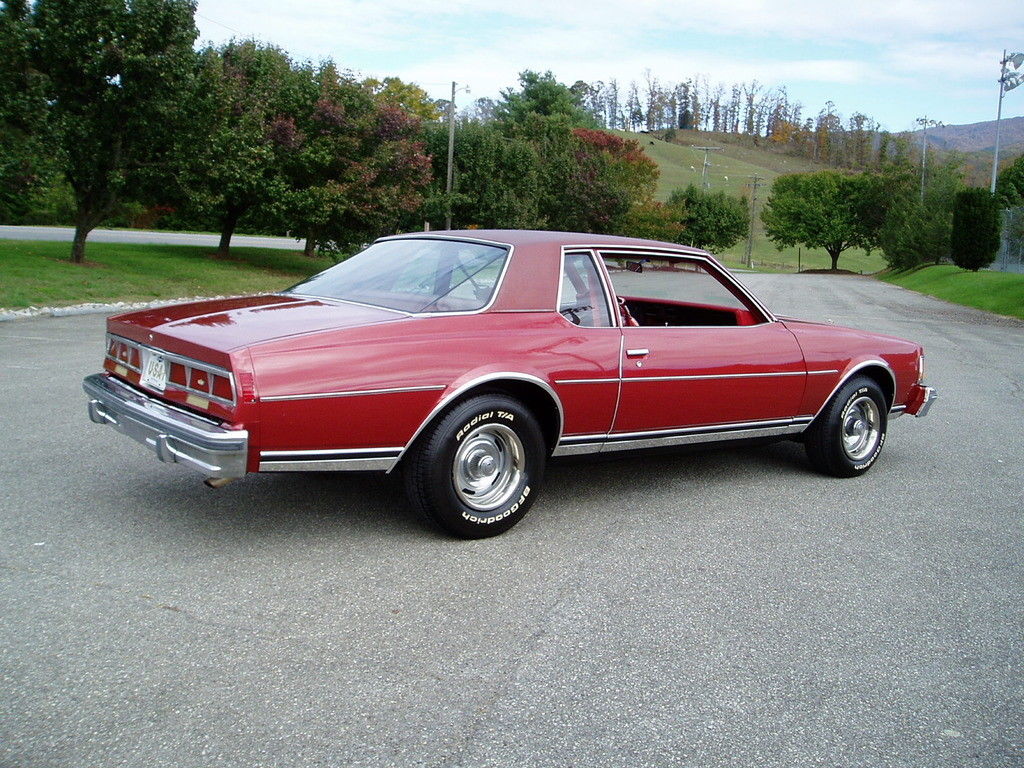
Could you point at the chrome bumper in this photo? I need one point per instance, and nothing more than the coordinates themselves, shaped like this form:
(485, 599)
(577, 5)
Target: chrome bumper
(175, 436)
(920, 400)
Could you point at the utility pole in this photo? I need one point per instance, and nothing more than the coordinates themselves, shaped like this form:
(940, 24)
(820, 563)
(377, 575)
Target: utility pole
(451, 158)
(1007, 82)
(756, 182)
(925, 123)
(707, 164)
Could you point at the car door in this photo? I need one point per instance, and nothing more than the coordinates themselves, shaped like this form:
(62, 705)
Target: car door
(702, 355)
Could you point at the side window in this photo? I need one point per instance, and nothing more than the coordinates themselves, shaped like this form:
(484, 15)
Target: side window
(660, 291)
(582, 300)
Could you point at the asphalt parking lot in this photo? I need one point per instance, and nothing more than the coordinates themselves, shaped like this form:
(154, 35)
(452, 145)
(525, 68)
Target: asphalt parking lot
(724, 608)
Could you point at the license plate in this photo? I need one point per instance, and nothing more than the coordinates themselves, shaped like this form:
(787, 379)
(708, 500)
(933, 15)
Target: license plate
(154, 370)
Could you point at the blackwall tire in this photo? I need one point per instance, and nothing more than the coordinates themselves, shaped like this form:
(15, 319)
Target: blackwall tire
(477, 470)
(847, 437)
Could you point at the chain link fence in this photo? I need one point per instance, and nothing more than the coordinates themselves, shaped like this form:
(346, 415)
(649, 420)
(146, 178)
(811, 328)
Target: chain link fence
(1011, 248)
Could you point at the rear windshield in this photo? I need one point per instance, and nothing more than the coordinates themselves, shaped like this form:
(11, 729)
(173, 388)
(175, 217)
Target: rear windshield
(414, 275)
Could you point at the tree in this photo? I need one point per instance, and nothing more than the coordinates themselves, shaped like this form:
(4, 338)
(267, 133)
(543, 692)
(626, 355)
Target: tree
(1010, 184)
(652, 220)
(249, 95)
(914, 230)
(408, 97)
(497, 180)
(821, 210)
(541, 94)
(711, 220)
(115, 72)
(358, 168)
(25, 167)
(976, 224)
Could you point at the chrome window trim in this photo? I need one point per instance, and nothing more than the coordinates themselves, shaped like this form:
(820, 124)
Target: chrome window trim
(445, 401)
(181, 360)
(713, 267)
(850, 373)
(494, 294)
(351, 393)
(609, 297)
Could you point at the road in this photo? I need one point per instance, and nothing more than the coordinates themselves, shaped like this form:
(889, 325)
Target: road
(724, 608)
(66, 234)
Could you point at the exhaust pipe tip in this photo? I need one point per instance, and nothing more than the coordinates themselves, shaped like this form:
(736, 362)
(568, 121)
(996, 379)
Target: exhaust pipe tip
(217, 482)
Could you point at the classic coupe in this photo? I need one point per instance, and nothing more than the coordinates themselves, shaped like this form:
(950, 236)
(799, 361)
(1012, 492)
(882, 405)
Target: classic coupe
(466, 359)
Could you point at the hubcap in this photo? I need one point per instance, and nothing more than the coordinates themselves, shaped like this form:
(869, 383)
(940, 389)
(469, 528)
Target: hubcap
(488, 466)
(862, 427)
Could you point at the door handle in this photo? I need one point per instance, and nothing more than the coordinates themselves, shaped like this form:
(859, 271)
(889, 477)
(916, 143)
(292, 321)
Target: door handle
(637, 352)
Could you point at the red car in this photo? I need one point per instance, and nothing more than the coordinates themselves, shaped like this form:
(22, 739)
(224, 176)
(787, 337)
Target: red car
(466, 359)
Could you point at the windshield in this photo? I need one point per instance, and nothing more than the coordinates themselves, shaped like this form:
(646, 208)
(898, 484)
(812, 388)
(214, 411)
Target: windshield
(414, 275)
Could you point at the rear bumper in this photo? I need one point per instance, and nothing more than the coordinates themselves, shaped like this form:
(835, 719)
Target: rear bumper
(173, 435)
(920, 400)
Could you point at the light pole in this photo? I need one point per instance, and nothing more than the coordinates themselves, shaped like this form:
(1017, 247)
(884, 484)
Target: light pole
(1007, 82)
(925, 123)
(451, 157)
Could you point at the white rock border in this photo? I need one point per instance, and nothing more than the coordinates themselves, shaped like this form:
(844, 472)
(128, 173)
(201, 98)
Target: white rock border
(30, 313)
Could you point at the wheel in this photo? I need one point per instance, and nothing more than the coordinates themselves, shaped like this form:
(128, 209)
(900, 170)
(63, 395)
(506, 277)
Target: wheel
(847, 436)
(477, 470)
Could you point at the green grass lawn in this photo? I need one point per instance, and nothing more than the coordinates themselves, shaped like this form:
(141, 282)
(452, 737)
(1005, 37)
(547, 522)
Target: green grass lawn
(999, 292)
(41, 274)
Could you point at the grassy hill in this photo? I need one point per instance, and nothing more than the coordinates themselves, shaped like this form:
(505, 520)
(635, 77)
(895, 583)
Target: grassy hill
(730, 171)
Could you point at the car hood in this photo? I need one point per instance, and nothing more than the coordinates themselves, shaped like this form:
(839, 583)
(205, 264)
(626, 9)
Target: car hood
(228, 324)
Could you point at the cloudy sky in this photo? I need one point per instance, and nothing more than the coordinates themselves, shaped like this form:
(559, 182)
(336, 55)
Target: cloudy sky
(895, 60)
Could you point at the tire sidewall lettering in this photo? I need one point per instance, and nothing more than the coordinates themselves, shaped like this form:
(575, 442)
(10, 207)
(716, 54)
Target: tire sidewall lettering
(498, 517)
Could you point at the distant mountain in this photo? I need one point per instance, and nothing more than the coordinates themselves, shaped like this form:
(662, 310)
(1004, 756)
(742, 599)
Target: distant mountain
(978, 137)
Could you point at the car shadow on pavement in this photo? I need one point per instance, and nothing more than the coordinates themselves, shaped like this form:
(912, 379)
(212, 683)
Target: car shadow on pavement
(370, 504)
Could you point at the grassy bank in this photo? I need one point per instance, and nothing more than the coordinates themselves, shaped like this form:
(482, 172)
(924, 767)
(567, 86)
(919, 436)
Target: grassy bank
(40, 273)
(999, 292)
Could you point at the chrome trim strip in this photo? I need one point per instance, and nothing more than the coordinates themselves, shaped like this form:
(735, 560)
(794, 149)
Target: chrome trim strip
(331, 453)
(701, 377)
(849, 375)
(448, 399)
(611, 380)
(351, 393)
(818, 373)
(582, 444)
(330, 465)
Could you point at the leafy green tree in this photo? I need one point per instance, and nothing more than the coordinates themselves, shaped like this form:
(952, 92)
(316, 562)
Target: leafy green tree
(541, 94)
(653, 220)
(711, 220)
(913, 230)
(357, 170)
(248, 98)
(496, 180)
(826, 210)
(976, 225)
(25, 166)
(114, 75)
(1010, 184)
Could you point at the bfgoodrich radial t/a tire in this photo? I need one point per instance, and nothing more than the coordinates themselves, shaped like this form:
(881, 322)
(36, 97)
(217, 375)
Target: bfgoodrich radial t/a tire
(477, 470)
(847, 436)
